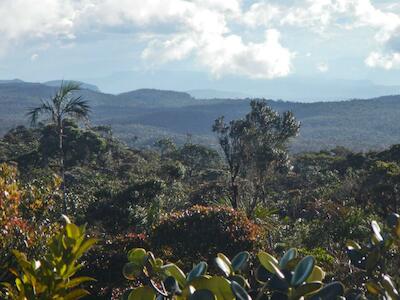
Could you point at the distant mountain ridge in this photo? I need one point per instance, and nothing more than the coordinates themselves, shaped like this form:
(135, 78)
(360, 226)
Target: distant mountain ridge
(11, 81)
(155, 97)
(149, 114)
(291, 88)
(83, 85)
(217, 94)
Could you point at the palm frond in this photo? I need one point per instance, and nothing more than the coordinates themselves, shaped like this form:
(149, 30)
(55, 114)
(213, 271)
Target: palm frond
(35, 112)
(77, 107)
(64, 92)
(68, 87)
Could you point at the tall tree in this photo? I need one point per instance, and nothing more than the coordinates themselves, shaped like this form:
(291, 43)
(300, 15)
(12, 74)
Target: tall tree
(255, 148)
(65, 104)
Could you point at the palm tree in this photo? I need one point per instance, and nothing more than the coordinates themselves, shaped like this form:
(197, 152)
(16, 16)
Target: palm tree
(65, 104)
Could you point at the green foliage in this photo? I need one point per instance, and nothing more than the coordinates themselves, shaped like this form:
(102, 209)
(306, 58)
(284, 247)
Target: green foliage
(53, 275)
(242, 278)
(255, 147)
(213, 228)
(27, 214)
(378, 259)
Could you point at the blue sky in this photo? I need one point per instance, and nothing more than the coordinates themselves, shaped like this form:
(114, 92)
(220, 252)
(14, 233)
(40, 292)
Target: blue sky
(253, 40)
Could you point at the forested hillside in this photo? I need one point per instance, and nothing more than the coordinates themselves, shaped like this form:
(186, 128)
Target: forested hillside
(247, 204)
(143, 116)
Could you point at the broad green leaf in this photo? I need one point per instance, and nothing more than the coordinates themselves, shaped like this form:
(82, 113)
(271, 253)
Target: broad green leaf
(218, 285)
(351, 245)
(377, 231)
(202, 295)
(137, 256)
(262, 275)
(240, 261)
(270, 263)
(199, 270)
(303, 270)
(171, 285)
(223, 266)
(239, 279)
(330, 291)
(239, 292)
(77, 281)
(389, 287)
(174, 271)
(76, 294)
(86, 245)
(307, 289)
(131, 271)
(226, 261)
(317, 274)
(142, 293)
(73, 231)
(373, 288)
(288, 256)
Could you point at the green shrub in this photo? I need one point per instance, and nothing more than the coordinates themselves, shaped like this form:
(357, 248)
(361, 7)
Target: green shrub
(201, 232)
(52, 276)
(104, 262)
(376, 261)
(245, 277)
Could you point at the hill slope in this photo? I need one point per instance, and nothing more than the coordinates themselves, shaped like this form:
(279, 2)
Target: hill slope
(150, 114)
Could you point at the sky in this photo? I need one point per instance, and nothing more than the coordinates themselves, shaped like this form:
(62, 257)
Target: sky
(215, 41)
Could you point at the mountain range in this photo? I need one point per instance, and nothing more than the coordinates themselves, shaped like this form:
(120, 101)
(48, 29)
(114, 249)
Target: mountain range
(291, 88)
(142, 116)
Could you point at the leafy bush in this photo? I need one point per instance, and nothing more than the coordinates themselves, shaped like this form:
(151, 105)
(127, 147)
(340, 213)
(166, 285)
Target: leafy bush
(26, 215)
(52, 276)
(201, 232)
(104, 262)
(376, 262)
(242, 278)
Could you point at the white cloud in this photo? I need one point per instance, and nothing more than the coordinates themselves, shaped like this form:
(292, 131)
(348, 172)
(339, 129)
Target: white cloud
(230, 55)
(210, 31)
(261, 13)
(34, 57)
(385, 61)
(180, 28)
(316, 14)
(21, 19)
(322, 67)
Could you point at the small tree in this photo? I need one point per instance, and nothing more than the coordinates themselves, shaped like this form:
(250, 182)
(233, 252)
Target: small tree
(65, 104)
(256, 147)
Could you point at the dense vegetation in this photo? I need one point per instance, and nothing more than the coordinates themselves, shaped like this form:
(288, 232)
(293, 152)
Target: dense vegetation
(142, 117)
(329, 215)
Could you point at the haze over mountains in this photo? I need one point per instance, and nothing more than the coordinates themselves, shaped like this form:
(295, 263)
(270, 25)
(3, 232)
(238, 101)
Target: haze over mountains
(292, 88)
(142, 116)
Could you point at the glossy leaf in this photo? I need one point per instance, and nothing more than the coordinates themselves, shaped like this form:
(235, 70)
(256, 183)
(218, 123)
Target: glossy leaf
(223, 266)
(131, 271)
(218, 285)
(377, 231)
(373, 288)
(270, 263)
(239, 292)
(330, 291)
(303, 270)
(137, 256)
(240, 261)
(202, 295)
(199, 270)
(307, 289)
(262, 275)
(288, 256)
(389, 287)
(174, 271)
(142, 293)
(317, 274)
